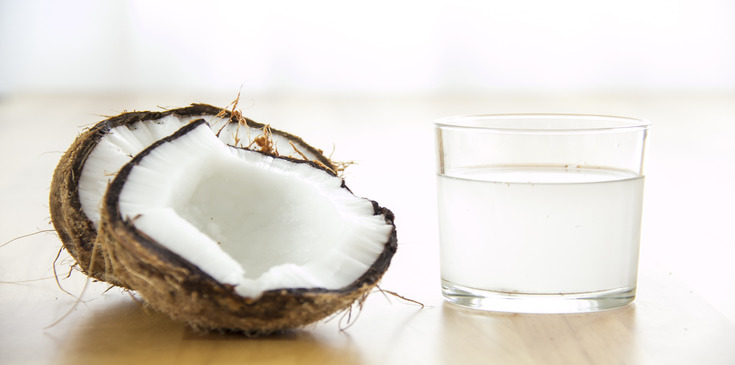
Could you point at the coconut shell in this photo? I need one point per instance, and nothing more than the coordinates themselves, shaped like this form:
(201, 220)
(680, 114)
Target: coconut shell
(173, 285)
(74, 228)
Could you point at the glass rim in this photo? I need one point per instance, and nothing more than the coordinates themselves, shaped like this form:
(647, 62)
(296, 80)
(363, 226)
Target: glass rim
(598, 123)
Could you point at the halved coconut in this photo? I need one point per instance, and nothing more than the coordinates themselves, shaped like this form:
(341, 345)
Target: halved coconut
(91, 162)
(227, 238)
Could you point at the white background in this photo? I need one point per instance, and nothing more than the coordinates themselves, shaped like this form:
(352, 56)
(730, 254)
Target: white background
(372, 47)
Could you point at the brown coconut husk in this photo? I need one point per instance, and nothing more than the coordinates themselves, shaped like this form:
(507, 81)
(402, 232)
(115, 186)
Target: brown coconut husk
(172, 285)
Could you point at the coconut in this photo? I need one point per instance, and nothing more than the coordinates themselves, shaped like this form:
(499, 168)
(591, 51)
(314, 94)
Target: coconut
(81, 177)
(228, 238)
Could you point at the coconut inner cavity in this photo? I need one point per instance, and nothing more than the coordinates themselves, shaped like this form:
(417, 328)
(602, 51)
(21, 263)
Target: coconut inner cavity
(250, 220)
(260, 218)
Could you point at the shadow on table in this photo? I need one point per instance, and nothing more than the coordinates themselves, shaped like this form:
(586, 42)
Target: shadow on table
(601, 337)
(127, 333)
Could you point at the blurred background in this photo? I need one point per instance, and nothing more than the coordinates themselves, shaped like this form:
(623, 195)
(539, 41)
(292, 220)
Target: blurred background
(379, 47)
(366, 79)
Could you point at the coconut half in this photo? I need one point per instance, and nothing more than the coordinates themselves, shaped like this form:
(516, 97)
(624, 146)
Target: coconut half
(91, 162)
(228, 238)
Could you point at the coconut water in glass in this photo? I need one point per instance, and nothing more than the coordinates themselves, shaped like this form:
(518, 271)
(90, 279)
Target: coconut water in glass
(540, 213)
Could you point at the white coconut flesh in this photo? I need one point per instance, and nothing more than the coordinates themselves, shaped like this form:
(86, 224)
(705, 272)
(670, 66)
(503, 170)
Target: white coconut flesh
(250, 220)
(122, 143)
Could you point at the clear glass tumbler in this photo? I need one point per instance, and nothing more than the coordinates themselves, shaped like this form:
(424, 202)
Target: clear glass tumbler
(540, 213)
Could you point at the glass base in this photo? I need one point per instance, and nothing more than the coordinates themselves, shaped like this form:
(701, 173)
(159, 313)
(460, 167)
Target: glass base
(537, 303)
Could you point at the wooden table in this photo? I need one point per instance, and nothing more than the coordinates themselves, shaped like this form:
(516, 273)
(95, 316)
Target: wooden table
(681, 315)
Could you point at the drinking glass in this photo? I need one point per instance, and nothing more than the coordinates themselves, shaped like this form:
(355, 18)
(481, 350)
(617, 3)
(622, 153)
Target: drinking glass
(540, 213)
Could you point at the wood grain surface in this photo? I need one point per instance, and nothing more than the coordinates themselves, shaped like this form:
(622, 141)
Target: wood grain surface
(683, 313)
